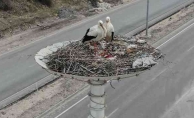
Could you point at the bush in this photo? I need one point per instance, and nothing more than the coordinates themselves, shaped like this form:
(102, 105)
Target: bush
(112, 1)
(94, 3)
(45, 2)
(5, 5)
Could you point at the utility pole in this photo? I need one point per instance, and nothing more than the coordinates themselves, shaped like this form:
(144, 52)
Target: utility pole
(147, 18)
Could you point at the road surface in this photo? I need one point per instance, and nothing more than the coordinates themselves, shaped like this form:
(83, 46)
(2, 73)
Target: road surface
(150, 94)
(18, 68)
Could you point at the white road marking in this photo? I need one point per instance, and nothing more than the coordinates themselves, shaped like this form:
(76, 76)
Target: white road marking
(190, 49)
(87, 96)
(175, 35)
(72, 106)
(112, 113)
(158, 74)
(151, 80)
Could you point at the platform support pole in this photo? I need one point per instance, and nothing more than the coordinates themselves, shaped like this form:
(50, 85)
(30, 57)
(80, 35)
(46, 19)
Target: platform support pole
(97, 99)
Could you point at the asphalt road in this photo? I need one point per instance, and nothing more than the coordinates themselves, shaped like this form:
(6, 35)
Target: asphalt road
(150, 94)
(18, 68)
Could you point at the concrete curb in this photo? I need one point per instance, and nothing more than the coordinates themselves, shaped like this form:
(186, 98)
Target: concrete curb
(50, 78)
(167, 37)
(160, 18)
(15, 97)
(84, 88)
(155, 44)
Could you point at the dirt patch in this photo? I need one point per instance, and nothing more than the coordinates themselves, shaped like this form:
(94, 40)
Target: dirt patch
(18, 29)
(41, 29)
(169, 24)
(39, 101)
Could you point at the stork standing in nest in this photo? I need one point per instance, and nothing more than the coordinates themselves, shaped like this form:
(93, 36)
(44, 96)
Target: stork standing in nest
(95, 34)
(110, 30)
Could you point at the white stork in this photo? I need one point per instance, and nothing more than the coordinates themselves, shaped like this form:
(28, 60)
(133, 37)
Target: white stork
(95, 33)
(110, 29)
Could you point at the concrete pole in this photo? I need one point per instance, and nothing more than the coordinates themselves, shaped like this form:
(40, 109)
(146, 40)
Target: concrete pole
(97, 99)
(147, 18)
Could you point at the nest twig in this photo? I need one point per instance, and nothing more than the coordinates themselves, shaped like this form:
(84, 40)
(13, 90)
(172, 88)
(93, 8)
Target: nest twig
(79, 59)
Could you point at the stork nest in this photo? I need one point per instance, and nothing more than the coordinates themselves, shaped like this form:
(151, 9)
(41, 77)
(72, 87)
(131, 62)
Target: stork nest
(113, 58)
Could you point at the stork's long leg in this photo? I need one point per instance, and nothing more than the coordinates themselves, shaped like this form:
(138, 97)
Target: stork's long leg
(112, 36)
(95, 48)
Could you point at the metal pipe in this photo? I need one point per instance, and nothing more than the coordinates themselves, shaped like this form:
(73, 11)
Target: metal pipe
(147, 18)
(97, 99)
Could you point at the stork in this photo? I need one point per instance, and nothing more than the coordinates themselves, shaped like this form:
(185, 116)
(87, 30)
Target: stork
(94, 34)
(110, 29)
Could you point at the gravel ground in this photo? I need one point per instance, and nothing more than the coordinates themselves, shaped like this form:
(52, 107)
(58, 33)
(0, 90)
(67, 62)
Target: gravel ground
(39, 101)
(36, 103)
(169, 24)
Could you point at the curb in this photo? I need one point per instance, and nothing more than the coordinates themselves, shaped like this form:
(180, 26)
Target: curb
(171, 34)
(155, 44)
(63, 101)
(159, 18)
(24, 92)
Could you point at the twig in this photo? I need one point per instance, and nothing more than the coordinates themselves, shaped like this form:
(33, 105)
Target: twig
(87, 69)
(69, 67)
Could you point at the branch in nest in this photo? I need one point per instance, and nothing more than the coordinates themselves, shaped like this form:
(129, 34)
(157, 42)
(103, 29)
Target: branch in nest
(87, 69)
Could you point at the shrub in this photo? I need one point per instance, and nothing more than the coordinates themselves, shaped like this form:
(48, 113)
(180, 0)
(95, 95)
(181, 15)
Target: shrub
(112, 1)
(46, 2)
(5, 5)
(94, 3)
